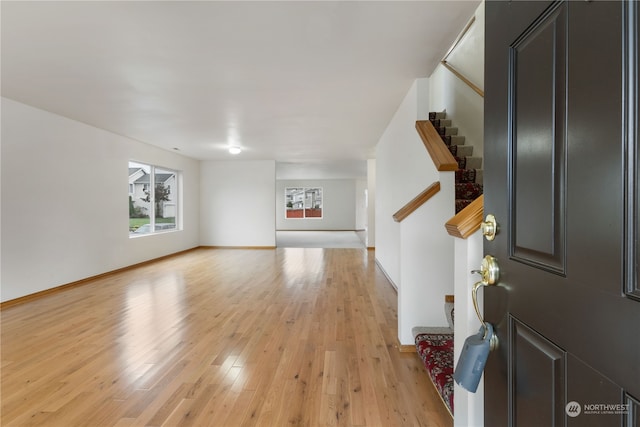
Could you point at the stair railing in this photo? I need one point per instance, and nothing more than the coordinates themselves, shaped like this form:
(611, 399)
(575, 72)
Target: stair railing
(457, 73)
(467, 221)
(442, 159)
(417, 201)
(440, 154)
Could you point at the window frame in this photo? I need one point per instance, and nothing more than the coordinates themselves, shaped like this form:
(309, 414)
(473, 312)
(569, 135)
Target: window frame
(303, 190)
(175, 200)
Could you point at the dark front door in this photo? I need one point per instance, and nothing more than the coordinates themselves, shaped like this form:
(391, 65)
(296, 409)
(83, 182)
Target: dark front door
(561, 175)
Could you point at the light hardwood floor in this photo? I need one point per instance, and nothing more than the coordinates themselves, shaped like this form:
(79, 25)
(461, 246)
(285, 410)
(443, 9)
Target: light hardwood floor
(219, 337)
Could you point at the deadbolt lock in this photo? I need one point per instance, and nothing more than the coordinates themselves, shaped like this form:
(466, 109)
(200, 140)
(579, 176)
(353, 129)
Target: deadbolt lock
(489, 227)
(489, 270)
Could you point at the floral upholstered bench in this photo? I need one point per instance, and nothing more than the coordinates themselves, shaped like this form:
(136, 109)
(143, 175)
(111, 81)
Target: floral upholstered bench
(435, 348)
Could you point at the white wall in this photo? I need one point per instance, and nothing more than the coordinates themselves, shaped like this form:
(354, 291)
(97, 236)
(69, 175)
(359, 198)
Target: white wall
(237, 207)
(338, 205)
(416, 254)
(403, 170)
(371, 205)
(464, 106)
(468, 255)
(427, 261)
(65, 201)
(361, 204)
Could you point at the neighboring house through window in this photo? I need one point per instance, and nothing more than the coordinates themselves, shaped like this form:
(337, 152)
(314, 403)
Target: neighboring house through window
(303, 202)
(152, 211)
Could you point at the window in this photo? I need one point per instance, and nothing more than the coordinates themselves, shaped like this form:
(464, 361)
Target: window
(303, 202)
(152, 211)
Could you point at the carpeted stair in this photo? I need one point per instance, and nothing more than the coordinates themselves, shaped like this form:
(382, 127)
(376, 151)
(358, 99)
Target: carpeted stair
(435, 344)
(435, 347)
(469, 174)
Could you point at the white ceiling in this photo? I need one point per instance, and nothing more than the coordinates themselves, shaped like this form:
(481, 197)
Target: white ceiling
(294, 81)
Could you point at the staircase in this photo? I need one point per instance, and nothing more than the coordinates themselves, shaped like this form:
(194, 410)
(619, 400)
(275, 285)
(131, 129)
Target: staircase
(468, 178)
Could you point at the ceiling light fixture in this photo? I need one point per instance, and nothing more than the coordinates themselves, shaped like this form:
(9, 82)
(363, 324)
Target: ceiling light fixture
(235, 150)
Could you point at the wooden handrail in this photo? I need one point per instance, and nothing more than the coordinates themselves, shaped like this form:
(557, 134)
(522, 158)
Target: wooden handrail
(440, 154)
(460, 37)
(468, 220)
(459, 75)
(418, 201)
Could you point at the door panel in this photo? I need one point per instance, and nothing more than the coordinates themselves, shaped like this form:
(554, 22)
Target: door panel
(589, 387)
(537, 110)
(561, 177)
(633, 152)
(595, 148)
(633, 418)
(538, 372)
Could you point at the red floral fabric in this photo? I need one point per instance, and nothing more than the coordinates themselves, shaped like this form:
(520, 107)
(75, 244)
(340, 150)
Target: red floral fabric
(468, 190)
(466, 175)
(436, 352)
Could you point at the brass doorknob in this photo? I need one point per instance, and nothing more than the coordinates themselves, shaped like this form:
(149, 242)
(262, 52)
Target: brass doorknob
(489, 227)
(490, 273)
(489, 270)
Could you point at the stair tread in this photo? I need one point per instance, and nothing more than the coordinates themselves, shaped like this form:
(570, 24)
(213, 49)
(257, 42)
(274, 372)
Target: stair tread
(461, 204)
(461, 150)
(447, 130)
(452, 140)
(437, 123)
(468, 175)
(469, 162)
(468, 190)
(468, 185)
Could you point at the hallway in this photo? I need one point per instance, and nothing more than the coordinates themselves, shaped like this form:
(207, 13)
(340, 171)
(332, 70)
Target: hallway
(318, 239)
